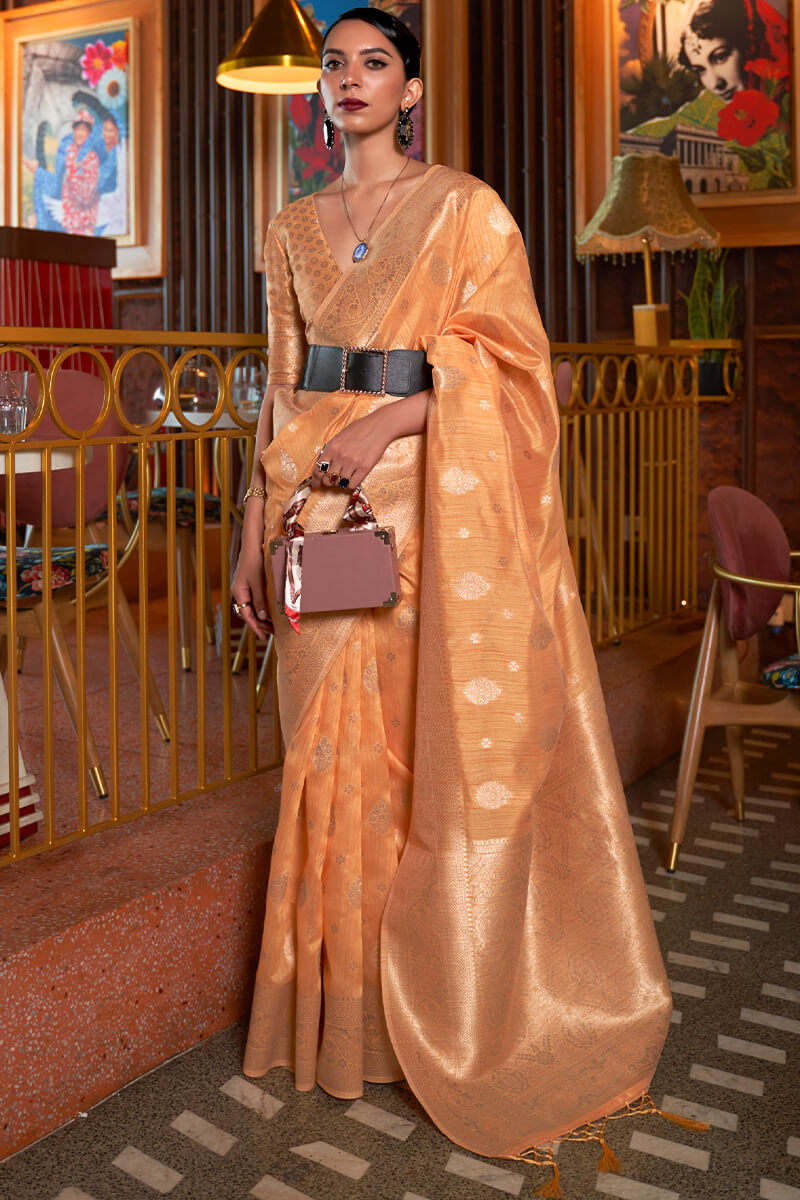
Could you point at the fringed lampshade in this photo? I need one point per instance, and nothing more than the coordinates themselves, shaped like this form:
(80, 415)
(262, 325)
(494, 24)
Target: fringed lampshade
(646, 203)
(279, 53)
(646, 207)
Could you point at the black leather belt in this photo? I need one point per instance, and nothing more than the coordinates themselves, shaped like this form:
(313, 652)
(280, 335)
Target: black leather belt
(366, 371)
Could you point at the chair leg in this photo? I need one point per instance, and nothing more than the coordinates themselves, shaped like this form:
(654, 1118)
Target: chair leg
(241, 653)
(695, 728)
(261, 684)
(68, 683)
(729, 662)
(129, 635)
(3, 654)
(21, 642)
(733, 740)
(185, 534)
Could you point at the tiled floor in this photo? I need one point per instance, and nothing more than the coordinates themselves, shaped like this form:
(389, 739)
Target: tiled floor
(728, 923)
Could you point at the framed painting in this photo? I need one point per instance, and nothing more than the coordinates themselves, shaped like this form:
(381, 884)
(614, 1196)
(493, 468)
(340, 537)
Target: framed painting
(711, 82)
(75, 120)
(290, 157)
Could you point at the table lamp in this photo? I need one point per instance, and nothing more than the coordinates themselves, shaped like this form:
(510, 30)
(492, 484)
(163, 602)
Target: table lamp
(646, 207)
(279, 53)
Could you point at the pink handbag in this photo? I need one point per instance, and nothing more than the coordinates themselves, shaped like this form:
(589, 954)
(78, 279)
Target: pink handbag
(334, 571)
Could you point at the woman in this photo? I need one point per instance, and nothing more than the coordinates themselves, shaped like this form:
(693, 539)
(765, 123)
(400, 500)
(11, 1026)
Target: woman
(455, 895)
(723, 37)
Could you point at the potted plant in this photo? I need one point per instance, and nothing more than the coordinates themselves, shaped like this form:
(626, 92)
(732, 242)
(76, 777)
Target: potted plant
(710, 308)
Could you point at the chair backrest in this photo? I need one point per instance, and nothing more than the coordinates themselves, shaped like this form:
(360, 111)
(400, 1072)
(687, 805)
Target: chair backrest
(79, 398)
(748, 540)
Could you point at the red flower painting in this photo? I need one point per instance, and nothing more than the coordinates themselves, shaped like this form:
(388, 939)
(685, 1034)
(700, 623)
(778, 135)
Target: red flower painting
(300, 111)
(97, 59)
(769, 68)
(119, 53)
(747, 118)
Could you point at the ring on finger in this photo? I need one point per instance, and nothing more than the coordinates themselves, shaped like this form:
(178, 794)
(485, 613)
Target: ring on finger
(323, 466)
(344, 482)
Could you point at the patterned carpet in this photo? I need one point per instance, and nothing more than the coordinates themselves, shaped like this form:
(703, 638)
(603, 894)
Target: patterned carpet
(195, 1129)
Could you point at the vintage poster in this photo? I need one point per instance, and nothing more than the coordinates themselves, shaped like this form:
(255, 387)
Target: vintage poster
(711, 82)
(74, 134)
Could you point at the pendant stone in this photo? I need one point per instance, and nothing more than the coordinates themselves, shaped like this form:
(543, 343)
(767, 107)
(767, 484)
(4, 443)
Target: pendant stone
(361, 251)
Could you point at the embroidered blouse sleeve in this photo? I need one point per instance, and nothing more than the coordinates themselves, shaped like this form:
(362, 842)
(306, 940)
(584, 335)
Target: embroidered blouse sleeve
(285, 325)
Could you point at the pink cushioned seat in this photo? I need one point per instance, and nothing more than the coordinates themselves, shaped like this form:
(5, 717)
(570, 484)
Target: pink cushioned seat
(79, 399)
(748, 540)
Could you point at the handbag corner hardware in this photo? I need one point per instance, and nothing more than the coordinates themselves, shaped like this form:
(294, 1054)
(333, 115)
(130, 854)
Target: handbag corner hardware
(392, 601)
(275, 545)
(385, 537)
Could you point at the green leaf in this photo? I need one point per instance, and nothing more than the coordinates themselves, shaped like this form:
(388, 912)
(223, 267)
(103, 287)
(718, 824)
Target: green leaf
(718, 295)
(701, 113)
(752, 157)
(759, 181)
(728, 313)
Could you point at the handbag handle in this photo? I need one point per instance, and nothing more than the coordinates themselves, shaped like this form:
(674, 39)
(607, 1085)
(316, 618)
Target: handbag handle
(358, 512)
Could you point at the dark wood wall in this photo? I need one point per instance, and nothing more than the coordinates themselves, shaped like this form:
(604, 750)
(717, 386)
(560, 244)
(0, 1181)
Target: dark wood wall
(520, 125)
(521, 142)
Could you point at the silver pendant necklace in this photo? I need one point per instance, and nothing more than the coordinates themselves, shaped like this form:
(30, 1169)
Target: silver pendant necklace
(362, 249)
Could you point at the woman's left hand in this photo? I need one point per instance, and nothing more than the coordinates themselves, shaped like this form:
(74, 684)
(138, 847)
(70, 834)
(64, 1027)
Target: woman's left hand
(353, 453)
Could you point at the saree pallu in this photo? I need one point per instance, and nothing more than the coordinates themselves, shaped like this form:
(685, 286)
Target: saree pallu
(455, 894)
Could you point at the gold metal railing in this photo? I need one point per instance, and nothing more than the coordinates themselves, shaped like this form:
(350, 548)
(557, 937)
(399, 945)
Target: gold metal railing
(630, 475)
(629, 480)
(106, 736)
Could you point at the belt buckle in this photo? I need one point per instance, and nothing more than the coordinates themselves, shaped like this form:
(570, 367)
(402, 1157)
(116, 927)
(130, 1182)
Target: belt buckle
(346, 352)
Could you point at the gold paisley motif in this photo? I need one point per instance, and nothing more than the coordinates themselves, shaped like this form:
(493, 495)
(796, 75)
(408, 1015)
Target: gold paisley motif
(449, 377)
(458, 481)
(370, 678)
(407, 618)
(471, 586)
(277, 887)
(440, 270)
(541, 637)
(482, 691)
(492, 795)
(500, 219)
(323, 755)
(381, 817)
(288, 467)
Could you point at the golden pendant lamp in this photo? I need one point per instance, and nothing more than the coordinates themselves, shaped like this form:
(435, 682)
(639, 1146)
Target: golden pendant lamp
(647, 208)
(278, 54)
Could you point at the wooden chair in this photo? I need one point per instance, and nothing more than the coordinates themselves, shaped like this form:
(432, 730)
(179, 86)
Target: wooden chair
(752, 573)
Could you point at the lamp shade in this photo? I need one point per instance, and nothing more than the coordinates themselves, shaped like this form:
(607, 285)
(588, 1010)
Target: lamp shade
(279, 53)
(646, 201)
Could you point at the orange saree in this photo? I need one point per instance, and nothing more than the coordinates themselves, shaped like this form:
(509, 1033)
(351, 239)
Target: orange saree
(455, 895)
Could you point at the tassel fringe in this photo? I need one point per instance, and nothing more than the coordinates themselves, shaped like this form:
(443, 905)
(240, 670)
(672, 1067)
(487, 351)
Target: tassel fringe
(608, 1161)
(552, 1189)
(685, 1122)
(595, 1131)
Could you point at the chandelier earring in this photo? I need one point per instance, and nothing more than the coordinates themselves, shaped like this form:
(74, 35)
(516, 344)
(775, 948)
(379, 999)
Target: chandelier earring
(405, 129)
(328, 132)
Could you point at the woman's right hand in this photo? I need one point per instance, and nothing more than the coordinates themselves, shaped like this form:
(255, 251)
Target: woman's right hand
(248, 587)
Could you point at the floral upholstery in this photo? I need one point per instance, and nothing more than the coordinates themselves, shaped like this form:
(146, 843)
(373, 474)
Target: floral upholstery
(64, 560)
(185, 505)
(785, 673)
